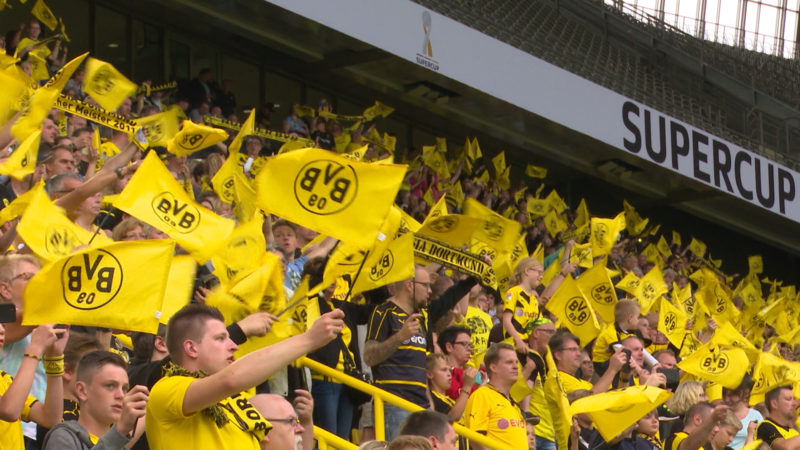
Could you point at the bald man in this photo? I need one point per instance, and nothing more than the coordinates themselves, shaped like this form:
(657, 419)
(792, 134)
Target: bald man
(291, 429)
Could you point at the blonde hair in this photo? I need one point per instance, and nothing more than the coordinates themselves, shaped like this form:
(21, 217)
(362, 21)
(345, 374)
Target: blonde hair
(522, 266)
(122, 228)
(213, 163)
(409, 443)
(10, 263)
(730, 420)
(687, 395)
(624, 308)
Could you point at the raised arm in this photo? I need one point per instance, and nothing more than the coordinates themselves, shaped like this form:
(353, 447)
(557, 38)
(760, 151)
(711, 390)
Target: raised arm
(260, 365)
(376, 352)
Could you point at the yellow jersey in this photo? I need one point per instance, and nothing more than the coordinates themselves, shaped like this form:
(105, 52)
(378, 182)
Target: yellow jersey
(610, 335)
(523, 307)
(168, 428)
(11, 432)
(492, 412)
(480, 325)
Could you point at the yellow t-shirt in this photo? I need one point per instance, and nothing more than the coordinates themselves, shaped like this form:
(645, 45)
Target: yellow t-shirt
(538, 406)
(491, 412)
(608, 336)
(571, 383)
(11, 432)
(168, 428)
(480, 325)
(523, 307)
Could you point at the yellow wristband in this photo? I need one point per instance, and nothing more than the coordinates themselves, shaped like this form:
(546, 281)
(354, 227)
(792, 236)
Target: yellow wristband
(29, 355)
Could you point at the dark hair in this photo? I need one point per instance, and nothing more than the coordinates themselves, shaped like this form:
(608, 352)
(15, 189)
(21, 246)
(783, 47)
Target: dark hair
(773, 395)
(449, 336)
(314, 269)
(425, 423)
(492, 355)
(91, 362)
(144, 343)
(698, 409)
(77, 132)
(560, 338)
(79, 344)
(188, 323)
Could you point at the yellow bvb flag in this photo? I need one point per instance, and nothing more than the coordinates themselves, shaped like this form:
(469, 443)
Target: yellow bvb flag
(43, 13)
(597, 287)
(193, 137)
(49, 233)
(604, 233)
(344, 199)
(574, 311)
(672, 322)
(22, 162)
(535, 171)
(614, 411)
(159, 128)
(155, 197)
(180, 286)
(721, 365)
(121, 283)
(106, 85)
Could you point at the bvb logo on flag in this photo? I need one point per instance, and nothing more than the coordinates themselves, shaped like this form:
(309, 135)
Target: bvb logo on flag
(670, 321)
(59, 240)
(715, 363)
(183, 217)
(577, 310)
(325, 187)
(102, 82)
(154, 132)
(91, 280)
(602, 294)
(600, 231)
(493, 228)
(227, 190)
(299, 315)
(444, 224)
(383, 267)
(192, 142)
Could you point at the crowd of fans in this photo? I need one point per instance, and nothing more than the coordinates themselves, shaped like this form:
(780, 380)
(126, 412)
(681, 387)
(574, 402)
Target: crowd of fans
(495, 360)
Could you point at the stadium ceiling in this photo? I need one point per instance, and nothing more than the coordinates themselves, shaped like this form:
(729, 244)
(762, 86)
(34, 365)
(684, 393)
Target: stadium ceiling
(326, 58)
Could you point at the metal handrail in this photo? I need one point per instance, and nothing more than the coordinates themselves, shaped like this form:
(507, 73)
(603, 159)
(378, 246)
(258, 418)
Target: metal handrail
(326, 440)
(380, 396)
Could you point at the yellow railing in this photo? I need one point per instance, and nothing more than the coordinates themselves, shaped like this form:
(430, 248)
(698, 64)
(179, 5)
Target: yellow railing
(326, 440)
(380, 396)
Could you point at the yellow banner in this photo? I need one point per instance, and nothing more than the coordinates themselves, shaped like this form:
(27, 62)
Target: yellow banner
(106, 85)
(193, 137)
(260, 132)
(159, 128)
(431, 250)
(22, 162)
(95, 114)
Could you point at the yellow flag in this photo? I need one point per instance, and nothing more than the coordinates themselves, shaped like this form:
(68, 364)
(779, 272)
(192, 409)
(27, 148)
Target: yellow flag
(33, 113)
(629, 283)
(244, 203)
(727, 336)
(18, 206)
(614, 411)
(663, 247)
(408, 223)
(721, 365)
(676, 238)
(377, 110)
(535, 171)
(43, 13)
(496, 231)
(14, 88)
(155, 197)
(697, 247)
(247, 129)
(653, 255)
(193, 137)
(672, 323)
(320, 190)
(437, 209)
(435, 160)
(582, 254)
(770, 372)
(595, 285)
(554, 223)
(651, 287)
(159, 128)
(604, 233)
(537, 207)
(49, 233)
(755, 263)
(180, 286)
(583, 214)
(718, 303)
(474, 150)
(499, 163)
(242, 251)
(572, 309)
(396, 263)
(22, 162)
(634, 223)
(106, 85)
(222, 181)
(121, 285)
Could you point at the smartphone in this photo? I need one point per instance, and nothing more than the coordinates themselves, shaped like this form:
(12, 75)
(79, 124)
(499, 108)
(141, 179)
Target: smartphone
(8, 312)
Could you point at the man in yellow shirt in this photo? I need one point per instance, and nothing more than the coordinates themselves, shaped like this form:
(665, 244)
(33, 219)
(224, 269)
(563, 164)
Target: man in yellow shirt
(566, 352)
(490, 409)
(200, 403)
